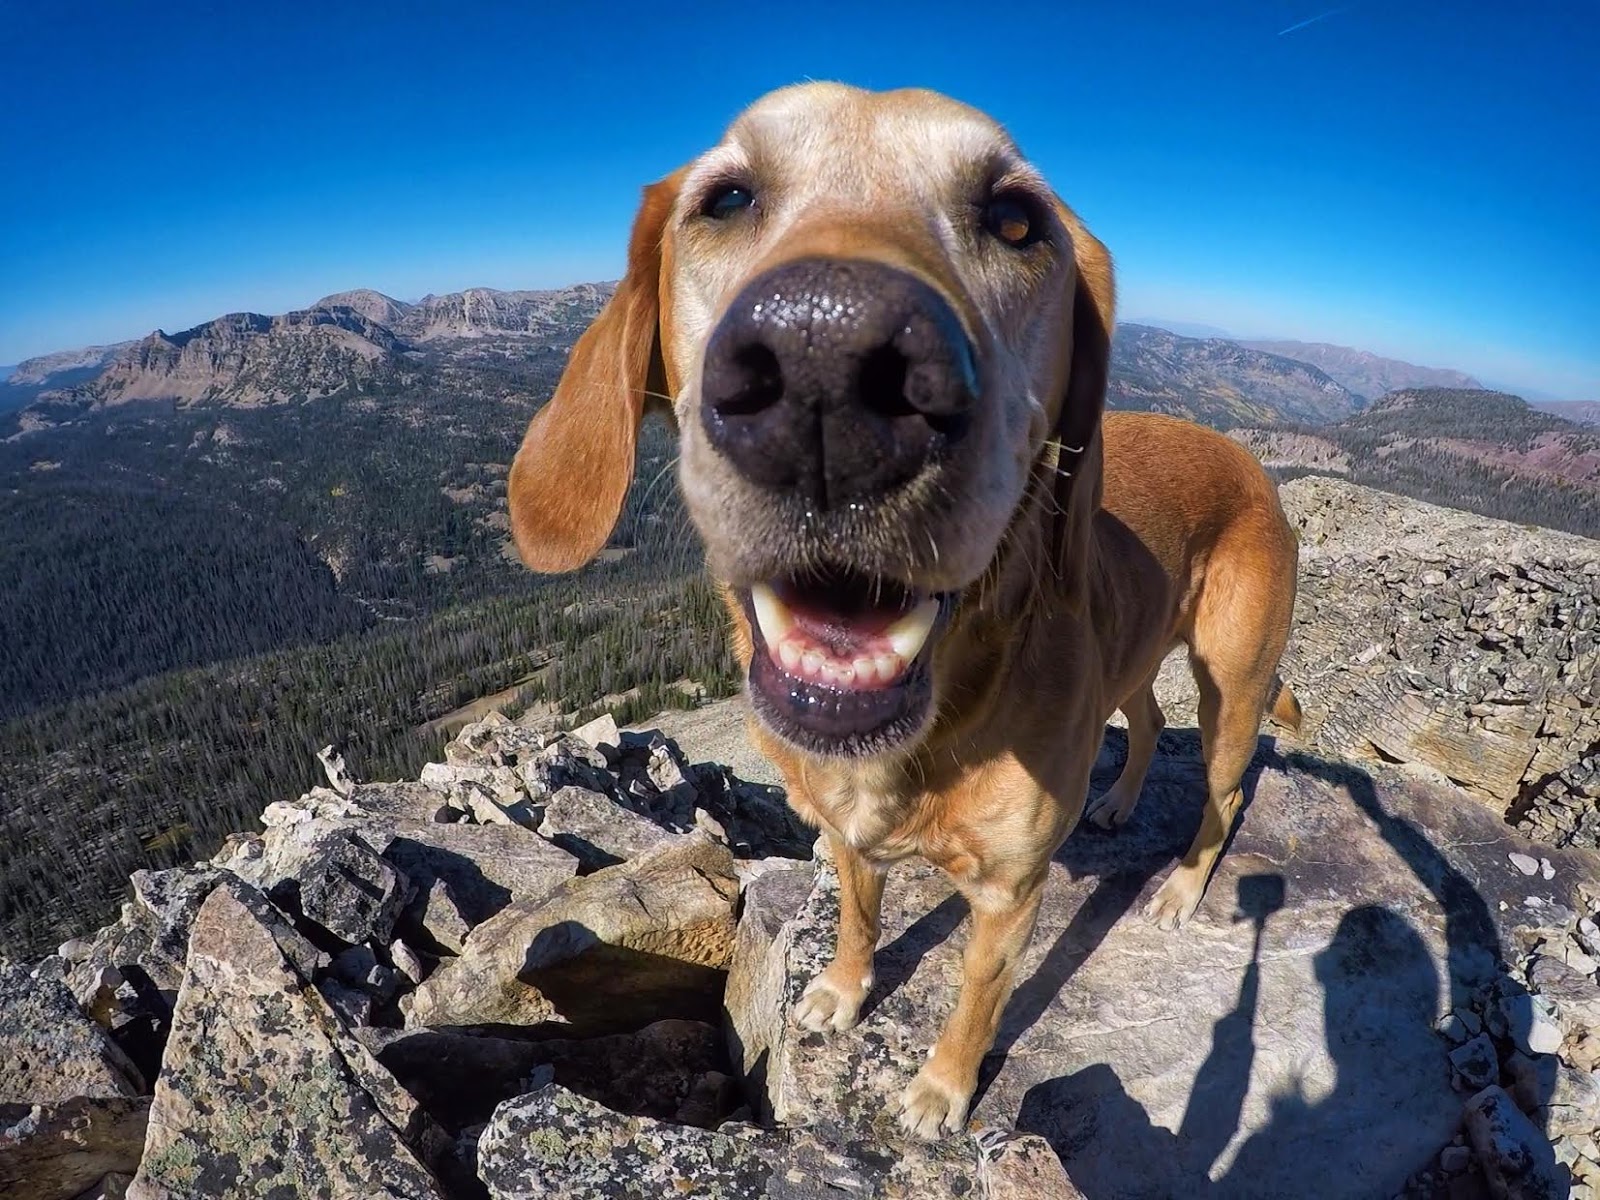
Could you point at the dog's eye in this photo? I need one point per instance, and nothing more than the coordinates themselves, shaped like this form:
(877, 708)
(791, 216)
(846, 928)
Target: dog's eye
(1014, 220)
(726, 201)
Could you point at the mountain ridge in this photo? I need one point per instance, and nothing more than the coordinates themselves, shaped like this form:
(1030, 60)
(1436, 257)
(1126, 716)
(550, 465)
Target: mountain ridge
(1367, 374)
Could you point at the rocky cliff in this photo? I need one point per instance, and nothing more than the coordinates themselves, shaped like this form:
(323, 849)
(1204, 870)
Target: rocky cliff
(478, 312)
(562, 964)
(245, 359)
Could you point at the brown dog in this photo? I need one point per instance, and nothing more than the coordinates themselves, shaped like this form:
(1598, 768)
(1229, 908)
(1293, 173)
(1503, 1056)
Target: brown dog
(884, 343)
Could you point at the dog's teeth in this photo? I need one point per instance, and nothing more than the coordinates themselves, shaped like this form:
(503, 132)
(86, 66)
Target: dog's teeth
(844, 673)
(910, 632)
(889, 667)
(865, 668)
(811, 662)
(789, 656)
(772, 614)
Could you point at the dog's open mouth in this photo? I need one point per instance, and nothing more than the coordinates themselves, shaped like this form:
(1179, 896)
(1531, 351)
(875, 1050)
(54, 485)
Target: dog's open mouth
(841, 661)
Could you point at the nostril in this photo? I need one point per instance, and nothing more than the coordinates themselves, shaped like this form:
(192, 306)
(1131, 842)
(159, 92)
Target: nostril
(881, 383)
(758, 382)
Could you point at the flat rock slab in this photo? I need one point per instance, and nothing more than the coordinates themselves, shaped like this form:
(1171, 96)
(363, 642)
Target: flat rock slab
(1287, 1030)
(56, 1151)
(551, 1142)
(605, 953)
(262, 1092)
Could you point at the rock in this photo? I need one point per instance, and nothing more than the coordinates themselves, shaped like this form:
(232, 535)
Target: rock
(600, 732)
(597, 830)
(1525, 863)
(1546, 871)
(333, 767)
(262, 1091)
(112, 1186)
(346, 889)
(1452, 1029)
(757, 999)
(1318, 1045)
(465, 874)
(407, 962)
(659, 1072)
(1475, 1064)
(489, 794)
(1574, 997)
(56, 1151)
(1574, 1102)
(1515, 1158)
(49, 1051)
(551, 1142)
(321, 869)
(402, 802)
(1455, 1159)
(608, 952)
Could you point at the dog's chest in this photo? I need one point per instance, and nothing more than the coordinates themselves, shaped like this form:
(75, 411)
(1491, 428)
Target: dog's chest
(885, 819)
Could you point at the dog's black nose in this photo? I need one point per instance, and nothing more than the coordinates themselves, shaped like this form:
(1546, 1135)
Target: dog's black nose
(837, 379)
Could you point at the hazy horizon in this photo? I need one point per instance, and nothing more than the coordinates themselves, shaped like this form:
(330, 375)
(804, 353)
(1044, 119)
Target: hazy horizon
(1408, 183)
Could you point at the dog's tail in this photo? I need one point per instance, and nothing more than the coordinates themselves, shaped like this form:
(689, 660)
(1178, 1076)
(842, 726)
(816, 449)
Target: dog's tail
(1285, 709)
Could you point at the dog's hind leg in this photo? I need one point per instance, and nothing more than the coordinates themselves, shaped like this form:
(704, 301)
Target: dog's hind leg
(1112, 808)
(1240, 629)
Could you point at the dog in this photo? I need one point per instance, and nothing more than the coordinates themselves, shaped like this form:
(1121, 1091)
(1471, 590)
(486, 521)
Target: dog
(884, 344)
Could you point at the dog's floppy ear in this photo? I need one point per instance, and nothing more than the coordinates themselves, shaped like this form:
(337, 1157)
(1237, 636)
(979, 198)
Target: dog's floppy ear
(1078, 479)
(571, 476)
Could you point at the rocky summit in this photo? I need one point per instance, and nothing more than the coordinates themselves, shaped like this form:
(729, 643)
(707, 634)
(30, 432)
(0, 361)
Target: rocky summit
(562, 963)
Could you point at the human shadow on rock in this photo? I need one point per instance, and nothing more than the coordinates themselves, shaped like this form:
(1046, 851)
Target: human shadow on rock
(1380, 995)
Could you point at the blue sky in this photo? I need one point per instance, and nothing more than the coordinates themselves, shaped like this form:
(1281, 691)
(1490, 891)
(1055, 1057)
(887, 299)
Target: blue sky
(1417, 179)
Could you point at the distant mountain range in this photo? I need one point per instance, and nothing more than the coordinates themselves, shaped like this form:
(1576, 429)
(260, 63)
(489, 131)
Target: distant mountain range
(352, 339)
(1219, 382)
(1489, 452)
(341, 343)
(1367, 375)
(349, 340)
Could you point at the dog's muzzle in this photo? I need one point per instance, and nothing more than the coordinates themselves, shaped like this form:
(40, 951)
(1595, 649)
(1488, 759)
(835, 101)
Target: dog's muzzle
(828, 385)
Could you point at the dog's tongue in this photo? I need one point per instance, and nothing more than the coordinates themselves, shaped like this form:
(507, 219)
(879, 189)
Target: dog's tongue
(848, 620)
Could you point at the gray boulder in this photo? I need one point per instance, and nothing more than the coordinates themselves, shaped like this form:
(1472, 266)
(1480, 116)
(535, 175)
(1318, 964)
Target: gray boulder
(464, 874)
(263, 1091)
(1515, 1157)
(49, 1051)
(551, 1142)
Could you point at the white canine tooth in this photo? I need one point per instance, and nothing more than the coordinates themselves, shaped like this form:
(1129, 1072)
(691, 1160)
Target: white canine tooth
(772, 614)
(789, 656)
(910, 632)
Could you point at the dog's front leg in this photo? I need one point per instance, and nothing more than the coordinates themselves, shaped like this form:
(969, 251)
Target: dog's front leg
(833, 999)
(1002, 923)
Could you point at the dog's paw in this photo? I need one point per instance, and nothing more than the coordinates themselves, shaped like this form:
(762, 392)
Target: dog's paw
(1175, 901)
(826, 1004)
(932, 1106)
(1110, 810)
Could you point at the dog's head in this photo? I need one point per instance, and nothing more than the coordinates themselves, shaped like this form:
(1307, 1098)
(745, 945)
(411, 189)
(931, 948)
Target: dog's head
(884, 342)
